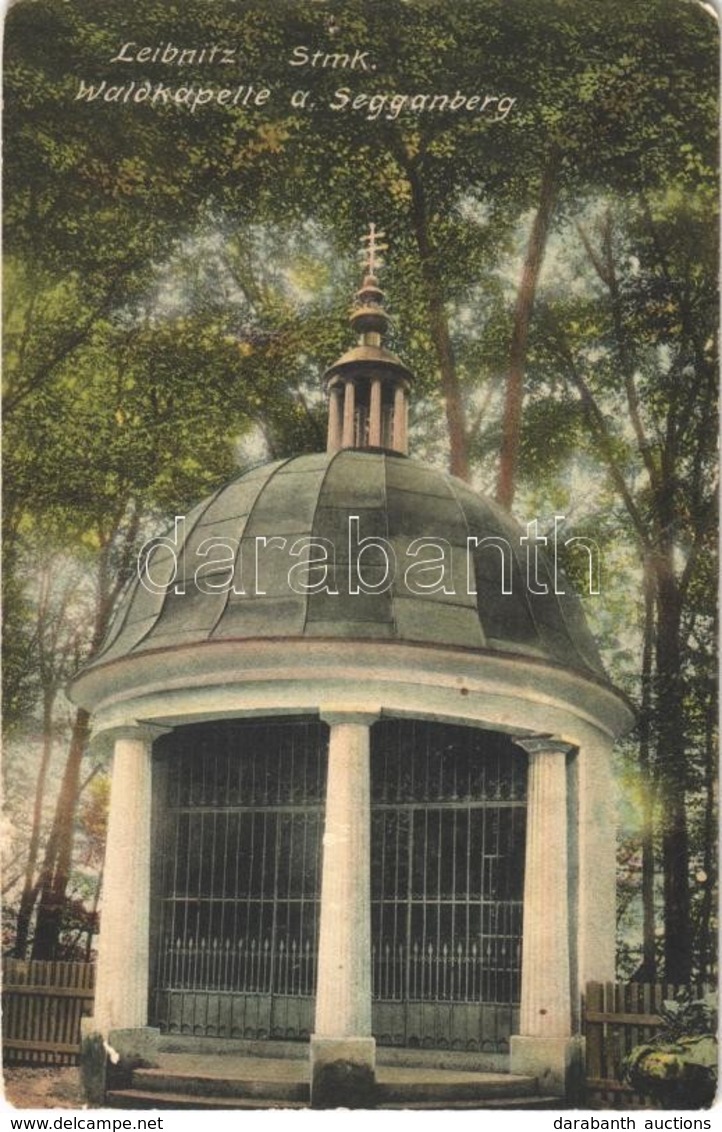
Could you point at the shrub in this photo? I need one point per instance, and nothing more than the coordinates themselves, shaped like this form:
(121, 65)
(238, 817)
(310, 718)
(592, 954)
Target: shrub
(678, 1066)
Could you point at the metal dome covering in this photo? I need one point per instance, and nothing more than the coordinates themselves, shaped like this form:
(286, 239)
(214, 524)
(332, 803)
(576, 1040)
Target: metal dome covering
(210, 591)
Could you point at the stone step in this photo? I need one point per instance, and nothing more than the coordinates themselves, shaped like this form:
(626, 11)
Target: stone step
(505, 1104)
(142, 1099)
(230, 1082)
(276, 1049)
(471, 1061)
(237, 1082)
(146, 1099)
(413, 1086)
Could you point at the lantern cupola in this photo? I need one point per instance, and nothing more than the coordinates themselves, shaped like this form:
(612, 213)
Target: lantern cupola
(368, 386)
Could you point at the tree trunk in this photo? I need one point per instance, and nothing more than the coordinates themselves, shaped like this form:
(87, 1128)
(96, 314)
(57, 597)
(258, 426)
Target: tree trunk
(649, 950)
(94, 915)
(58, 856)
(511, 429)
(439, 327)
(29, 893)
(705, 934)
(671, 759)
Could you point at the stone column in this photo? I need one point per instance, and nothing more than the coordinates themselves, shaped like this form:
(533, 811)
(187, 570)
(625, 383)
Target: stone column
(343, 1053)
(544, 1048)
(401, 442)
(349, 415)
(375, 413)
(334, 419)
(119, 1025)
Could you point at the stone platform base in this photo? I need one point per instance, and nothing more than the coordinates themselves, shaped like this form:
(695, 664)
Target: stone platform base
(343, 1072)
(557, 1063)
(231, 1081)
(108, 1063)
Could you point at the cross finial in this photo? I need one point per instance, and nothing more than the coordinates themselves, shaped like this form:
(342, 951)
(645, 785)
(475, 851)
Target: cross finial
(372, 260)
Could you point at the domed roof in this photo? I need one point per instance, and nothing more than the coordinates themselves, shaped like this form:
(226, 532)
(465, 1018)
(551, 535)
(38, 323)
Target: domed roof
(357, 544)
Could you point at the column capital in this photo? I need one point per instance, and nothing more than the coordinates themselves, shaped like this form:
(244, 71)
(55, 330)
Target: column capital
(543, 744)
(144, 732)
(338, 715)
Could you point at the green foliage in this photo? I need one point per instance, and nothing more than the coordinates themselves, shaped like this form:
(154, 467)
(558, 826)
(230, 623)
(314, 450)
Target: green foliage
(687, 1016)
(20, 684)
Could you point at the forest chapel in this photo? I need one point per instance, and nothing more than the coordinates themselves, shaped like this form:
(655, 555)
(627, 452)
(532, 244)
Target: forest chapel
(360, 815)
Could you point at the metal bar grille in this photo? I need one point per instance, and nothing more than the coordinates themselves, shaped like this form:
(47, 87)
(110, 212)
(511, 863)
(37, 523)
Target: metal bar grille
(448, 838)
(238, 887)
(239, 884)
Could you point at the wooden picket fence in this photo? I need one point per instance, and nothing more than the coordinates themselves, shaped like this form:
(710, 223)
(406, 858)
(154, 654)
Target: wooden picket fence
(42, 1007)
(43, 1004)
(617, 1017)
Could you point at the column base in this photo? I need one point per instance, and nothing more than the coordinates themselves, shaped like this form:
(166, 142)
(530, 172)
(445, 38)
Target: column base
(107, 1061)
(343, 1072)
(557, 1063)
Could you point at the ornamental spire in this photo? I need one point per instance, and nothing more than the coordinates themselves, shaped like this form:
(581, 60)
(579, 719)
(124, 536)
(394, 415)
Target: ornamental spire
(372, 259)
(368, 317)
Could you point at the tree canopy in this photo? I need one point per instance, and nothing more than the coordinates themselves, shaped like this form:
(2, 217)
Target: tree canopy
(185, 187)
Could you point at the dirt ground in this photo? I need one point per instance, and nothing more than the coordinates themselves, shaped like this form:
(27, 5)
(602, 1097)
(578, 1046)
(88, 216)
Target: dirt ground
(42, 1087)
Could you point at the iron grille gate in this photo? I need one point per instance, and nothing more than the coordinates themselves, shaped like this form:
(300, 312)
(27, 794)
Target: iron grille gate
(448, 839)
(238, 885)
(237, 880)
